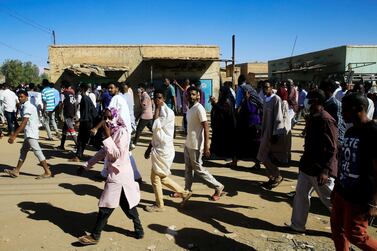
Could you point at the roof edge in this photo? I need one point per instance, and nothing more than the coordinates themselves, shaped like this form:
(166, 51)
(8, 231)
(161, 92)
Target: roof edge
(133, 45)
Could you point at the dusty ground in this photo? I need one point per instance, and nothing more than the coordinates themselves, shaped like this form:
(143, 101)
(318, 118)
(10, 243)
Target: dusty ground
(50, 214)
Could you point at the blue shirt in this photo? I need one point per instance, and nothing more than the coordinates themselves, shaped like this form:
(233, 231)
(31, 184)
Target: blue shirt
(240, 94)
(57, 95)
(48, 97)
(106, 98)
(170, 93)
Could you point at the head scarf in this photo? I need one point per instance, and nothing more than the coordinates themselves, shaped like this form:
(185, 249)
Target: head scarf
(225, 94)
(116, 122)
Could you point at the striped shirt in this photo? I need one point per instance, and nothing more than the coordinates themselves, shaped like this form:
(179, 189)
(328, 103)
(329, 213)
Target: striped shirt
(48, 96)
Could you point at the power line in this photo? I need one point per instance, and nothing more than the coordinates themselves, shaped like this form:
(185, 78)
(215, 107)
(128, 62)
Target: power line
(23, 52)
(25, 20)
(15, 49)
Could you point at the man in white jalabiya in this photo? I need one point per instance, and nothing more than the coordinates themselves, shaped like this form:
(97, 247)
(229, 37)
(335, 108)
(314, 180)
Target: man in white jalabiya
(161, 149)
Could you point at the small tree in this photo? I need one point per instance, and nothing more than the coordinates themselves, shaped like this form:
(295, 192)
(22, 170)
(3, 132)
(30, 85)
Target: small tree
(17, 72)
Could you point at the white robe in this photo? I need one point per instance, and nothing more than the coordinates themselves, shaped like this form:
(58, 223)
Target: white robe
(162, 154)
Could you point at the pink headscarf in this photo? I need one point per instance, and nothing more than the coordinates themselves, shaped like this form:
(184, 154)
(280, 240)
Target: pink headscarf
(117, 122)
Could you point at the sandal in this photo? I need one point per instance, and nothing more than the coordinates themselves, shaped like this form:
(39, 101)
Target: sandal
(175, 195)
(216, 197)
(11, 173)
(43, 176)
(218, 193)
(87, 240)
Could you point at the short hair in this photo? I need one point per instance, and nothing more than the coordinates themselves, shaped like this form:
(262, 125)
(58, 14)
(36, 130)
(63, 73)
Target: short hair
(23, 92)
(84, 86)
(328, 84)
(128, 84)
(45, 82)
(159, 91)
(317, 94)
(142, 85)
(31, 86)
(65, 84)
(241, 79)
(116, 84)
(357, 100)
(193, 88)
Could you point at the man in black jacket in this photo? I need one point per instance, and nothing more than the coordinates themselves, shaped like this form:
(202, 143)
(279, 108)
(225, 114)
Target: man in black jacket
(88, 115)
(318, 164)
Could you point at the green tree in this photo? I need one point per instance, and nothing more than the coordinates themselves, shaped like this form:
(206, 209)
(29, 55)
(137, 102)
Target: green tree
(17, 72)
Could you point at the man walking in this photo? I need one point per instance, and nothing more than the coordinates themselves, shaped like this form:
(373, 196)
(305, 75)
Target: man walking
(9, 102)
(354, 198)
(68, 102)
(48, 98)
(146, 117)
(197, 145)
(88, 116)
(273, 147)
(30, 126)
(319, 164)
(162, 151)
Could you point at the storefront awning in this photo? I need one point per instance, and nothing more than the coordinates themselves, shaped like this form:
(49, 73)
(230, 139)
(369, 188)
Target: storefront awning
(94, 70)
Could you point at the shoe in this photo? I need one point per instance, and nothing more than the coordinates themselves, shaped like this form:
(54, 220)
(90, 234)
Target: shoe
(87, 240)
(256, 166)
(175, 195)
(185, 198)
(74, 159)
(267, 184)
(60, 148)
(154, 208)
(139, 234)
(132, 146)
(218, 193)
(277, 181)
(272, 183)
(11, 173)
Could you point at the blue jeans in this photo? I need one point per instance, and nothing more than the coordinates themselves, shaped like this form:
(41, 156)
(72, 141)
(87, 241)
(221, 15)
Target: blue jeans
(11, 121)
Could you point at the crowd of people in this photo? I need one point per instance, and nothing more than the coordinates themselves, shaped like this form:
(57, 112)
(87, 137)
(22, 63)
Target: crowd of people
(252, 124)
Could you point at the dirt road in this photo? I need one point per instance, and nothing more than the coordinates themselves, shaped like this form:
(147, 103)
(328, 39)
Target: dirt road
(50, 214)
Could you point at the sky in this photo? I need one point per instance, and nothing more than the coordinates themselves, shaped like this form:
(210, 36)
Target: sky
(264, 30)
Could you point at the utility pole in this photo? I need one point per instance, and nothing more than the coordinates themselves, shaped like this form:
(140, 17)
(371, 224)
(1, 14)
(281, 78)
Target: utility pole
(233, 61)
(53, 37)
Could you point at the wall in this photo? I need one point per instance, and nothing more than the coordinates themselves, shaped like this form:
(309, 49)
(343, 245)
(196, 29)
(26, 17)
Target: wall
(139, 58)
(334, 58)
(359, 54)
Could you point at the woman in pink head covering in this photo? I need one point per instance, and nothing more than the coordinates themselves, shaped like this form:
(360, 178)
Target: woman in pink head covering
(120, 187)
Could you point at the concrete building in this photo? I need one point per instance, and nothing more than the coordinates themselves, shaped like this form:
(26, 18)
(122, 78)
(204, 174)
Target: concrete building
(253, 71)
(338, 61)
(136, 63)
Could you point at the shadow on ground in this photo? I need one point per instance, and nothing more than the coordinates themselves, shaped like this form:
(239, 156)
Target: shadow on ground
(71, 222)
(199, 239)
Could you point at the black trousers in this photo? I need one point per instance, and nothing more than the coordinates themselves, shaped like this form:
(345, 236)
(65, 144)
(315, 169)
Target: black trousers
(83, 137)
(104, 214)
(140, 127)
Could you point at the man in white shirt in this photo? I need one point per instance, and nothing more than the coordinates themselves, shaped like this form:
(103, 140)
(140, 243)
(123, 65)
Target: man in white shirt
(162, 151)
(128, 95)
(35, 98)
(30, 126)
(9, 102)
(2, 118)
(197, 144)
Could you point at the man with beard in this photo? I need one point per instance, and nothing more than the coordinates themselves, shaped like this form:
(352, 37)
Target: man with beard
(197, 144)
